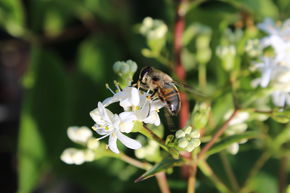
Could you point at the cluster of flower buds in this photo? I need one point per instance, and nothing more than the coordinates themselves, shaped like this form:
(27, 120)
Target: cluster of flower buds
(227, 56)
(153, 28)
(83, 136)
(188, 139)
(253, 48)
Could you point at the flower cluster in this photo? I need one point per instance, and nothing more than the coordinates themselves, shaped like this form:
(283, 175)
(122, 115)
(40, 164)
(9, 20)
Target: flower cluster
(137, 107)
(83, 136)
(153, 28)
(275, 67)
(188, 139)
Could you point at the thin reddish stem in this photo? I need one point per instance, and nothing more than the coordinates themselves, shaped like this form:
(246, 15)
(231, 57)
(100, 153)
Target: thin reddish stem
(180, 71)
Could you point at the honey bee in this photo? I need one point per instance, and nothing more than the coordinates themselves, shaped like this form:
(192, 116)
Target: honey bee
(162, 85)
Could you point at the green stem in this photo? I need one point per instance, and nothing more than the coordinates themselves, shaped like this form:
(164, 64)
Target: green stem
(151, 135)
(202, 75)
(134, 162)
(206, 169)
(229, 171)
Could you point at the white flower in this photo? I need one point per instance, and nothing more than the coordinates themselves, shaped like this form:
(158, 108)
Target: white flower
(278, 38)
(112, 125)
(237, 125)
(77, 156)
(137, 105)
(275, 70)
(153, 28)
(79, 134)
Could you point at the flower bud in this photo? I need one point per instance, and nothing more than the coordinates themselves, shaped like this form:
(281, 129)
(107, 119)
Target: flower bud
(187, 130)
(73, 156)
(200, 115)
(79, 134)
(93, 143)
(180, 134)
(195, 134)
(194, 143)
(182, 142)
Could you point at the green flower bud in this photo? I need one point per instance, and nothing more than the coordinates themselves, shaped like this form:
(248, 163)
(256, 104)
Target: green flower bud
(132, 66)
(187, 130)
(180, 134)
(182, 142)
(194, 143)
(200, 115)
(195, 134)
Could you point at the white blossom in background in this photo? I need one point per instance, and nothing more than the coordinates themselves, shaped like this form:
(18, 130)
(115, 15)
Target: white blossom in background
(112, 125)
(237, 125)
(153, 28)
(275, 70)
(77, 156)
(79, 135)
(254, 48)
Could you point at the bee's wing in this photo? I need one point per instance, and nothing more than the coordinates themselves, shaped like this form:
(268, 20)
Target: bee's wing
(194, 92)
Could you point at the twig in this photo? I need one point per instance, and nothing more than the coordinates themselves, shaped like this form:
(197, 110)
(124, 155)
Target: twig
(229, 171)
(220, 131)
(162, 182)
(206, 169)
(283, 174)
(134, 162)
(192, 179)
(180, 71)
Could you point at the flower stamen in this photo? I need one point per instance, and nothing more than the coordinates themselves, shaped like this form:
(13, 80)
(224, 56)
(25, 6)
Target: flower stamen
(108, 87)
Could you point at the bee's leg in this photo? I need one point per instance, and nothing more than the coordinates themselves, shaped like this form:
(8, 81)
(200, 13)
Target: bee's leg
(153, 94)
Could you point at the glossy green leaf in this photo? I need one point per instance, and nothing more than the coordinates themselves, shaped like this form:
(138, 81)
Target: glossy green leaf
(43, 118)
(224, 143)
(165, 164)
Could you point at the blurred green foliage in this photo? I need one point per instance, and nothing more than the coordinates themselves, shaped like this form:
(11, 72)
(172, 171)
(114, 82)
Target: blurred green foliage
(72, 47)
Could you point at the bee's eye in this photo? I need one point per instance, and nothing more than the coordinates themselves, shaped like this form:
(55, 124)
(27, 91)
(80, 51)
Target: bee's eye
(155, 78)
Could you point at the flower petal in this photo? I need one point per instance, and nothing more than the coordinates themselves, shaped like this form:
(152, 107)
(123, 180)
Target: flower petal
(128, 142)
(113, 143)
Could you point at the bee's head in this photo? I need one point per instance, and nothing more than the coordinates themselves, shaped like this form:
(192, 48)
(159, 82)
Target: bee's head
(143, 74)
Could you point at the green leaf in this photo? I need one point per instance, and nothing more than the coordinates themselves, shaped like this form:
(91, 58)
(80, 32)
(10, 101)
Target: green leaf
(43, 118)
(264, 182)
(165, 164)
(281, 116)
(224, 143)
(260, 8)
(12, 16)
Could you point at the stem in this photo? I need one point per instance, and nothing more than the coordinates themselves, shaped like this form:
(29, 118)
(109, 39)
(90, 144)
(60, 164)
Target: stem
(151, 135)
(134, 162)
(202, 75)
(253, 172)
(229, 171)
(206, 169)
(283, 174)
(162, 182)
(220, 131)
(180, 71)
(192, 177)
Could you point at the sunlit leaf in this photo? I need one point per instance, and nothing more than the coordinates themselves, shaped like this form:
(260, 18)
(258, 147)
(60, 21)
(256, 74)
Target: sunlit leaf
(165, 164)
(224, 143)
